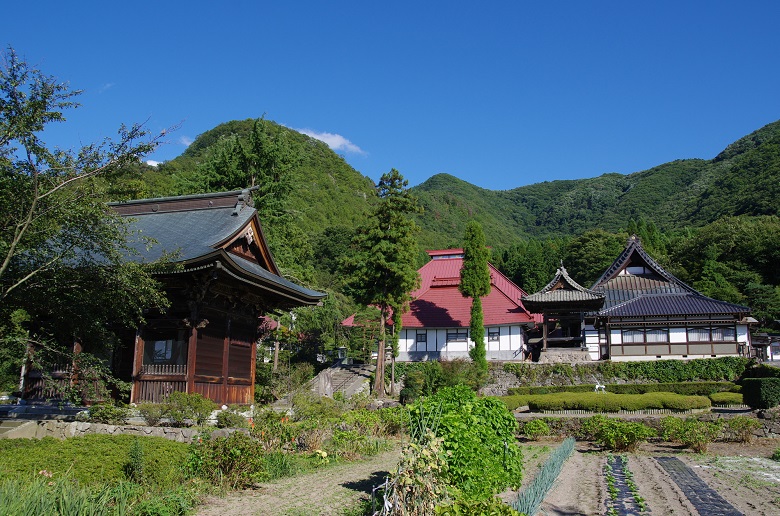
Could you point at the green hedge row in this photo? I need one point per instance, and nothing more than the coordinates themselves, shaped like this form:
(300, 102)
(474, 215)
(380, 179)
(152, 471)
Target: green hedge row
(663, 371)
(609, 402)
(685, 388)
(761, 392)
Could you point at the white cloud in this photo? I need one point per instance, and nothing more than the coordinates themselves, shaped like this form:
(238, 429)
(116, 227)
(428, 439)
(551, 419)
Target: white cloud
(152, 163)
(106, 87)
(186, 141)
(334, 141)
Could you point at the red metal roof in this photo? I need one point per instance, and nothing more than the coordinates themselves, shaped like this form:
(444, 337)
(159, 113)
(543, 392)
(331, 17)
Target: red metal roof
(439, 304)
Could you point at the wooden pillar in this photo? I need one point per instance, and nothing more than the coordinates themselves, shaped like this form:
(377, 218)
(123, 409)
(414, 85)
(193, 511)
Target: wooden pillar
(192, 351)
(225, 358)
(138, 362)
(544, 333)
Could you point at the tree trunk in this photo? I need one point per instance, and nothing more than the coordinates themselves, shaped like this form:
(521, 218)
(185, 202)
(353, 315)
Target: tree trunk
(392, 376)
(276, 355)
(379, 380)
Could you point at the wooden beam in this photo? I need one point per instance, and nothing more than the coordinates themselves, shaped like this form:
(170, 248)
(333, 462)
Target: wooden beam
(223, 396)
(192, 351)
(138, 361)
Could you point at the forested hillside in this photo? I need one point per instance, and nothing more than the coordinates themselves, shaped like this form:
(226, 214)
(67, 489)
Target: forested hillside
(743, 180)
(712, 222)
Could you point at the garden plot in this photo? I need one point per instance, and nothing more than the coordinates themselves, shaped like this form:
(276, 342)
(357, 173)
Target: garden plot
(749, 485)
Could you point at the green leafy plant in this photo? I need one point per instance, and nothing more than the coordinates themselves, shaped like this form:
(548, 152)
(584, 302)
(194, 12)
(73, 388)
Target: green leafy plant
(536, 428)
(152, 412)
(135, 464)
(741, 428)
(182, 407)
(230, 418)
(479, 436)
(109, 414)
(691, 432)
(619, 435)
(235, 461)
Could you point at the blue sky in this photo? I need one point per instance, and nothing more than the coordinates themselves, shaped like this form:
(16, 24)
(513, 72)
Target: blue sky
(501, 95)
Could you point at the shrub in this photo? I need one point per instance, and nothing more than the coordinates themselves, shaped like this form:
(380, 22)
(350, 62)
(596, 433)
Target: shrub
(761, 392)
(609, 402)
(536, 428)
(181, 407)
(726, 398)
(741, 428)
(235, 461)
(231, 419)
(479, 436)
(152, 412)
(616, 434)
(691, 432)
(109, 414)
(671, 429)
(776, 455)
(306, 405)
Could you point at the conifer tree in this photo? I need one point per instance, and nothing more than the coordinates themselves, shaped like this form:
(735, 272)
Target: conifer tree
(382, 264)
(475, 283)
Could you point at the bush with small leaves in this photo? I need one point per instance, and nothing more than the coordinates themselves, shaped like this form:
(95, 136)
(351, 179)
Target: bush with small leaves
(536, 429)
(231, 419)
(152, 413)
(181, 407)
(109, 414)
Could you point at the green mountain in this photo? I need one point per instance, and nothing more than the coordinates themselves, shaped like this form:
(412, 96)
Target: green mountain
(744, 179)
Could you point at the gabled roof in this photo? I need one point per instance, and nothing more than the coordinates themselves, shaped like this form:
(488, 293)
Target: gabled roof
(201, 230)
(439, 304)
(563, 293)
(635, 285)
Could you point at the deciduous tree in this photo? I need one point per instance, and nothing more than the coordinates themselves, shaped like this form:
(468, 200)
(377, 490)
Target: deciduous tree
(61, 250)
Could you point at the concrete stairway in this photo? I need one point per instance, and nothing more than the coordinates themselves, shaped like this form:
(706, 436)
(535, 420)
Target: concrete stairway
(347, 379)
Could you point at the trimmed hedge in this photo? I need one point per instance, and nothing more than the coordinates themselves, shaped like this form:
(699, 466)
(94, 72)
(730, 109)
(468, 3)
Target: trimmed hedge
(662, 371)
(726, 398)
(761, 393)
(610, 402)
(685, 388)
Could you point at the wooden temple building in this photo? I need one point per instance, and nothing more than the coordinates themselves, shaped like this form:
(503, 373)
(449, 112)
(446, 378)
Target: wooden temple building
(563, 304)
(637, 310)
(220, 277)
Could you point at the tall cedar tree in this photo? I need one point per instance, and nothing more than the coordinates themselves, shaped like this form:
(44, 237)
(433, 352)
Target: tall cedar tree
(381, 268)
(475, 283)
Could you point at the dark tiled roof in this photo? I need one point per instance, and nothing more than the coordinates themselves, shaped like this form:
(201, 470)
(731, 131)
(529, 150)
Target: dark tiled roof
(192, 230)
(189, 234)
(255, 269)
(563, 289)
(632, 252)
(654, 305)
(655, 292)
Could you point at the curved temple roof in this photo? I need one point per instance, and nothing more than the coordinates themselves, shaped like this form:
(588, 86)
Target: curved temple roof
(196, 230)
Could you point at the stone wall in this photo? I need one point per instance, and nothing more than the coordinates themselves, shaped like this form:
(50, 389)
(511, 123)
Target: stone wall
(64, 429)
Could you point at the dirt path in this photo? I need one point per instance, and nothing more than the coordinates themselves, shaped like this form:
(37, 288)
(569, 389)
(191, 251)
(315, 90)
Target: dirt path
(579, 489)
(330, 491)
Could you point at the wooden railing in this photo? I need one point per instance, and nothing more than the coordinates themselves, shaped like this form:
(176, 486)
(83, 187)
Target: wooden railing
(164, 369)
